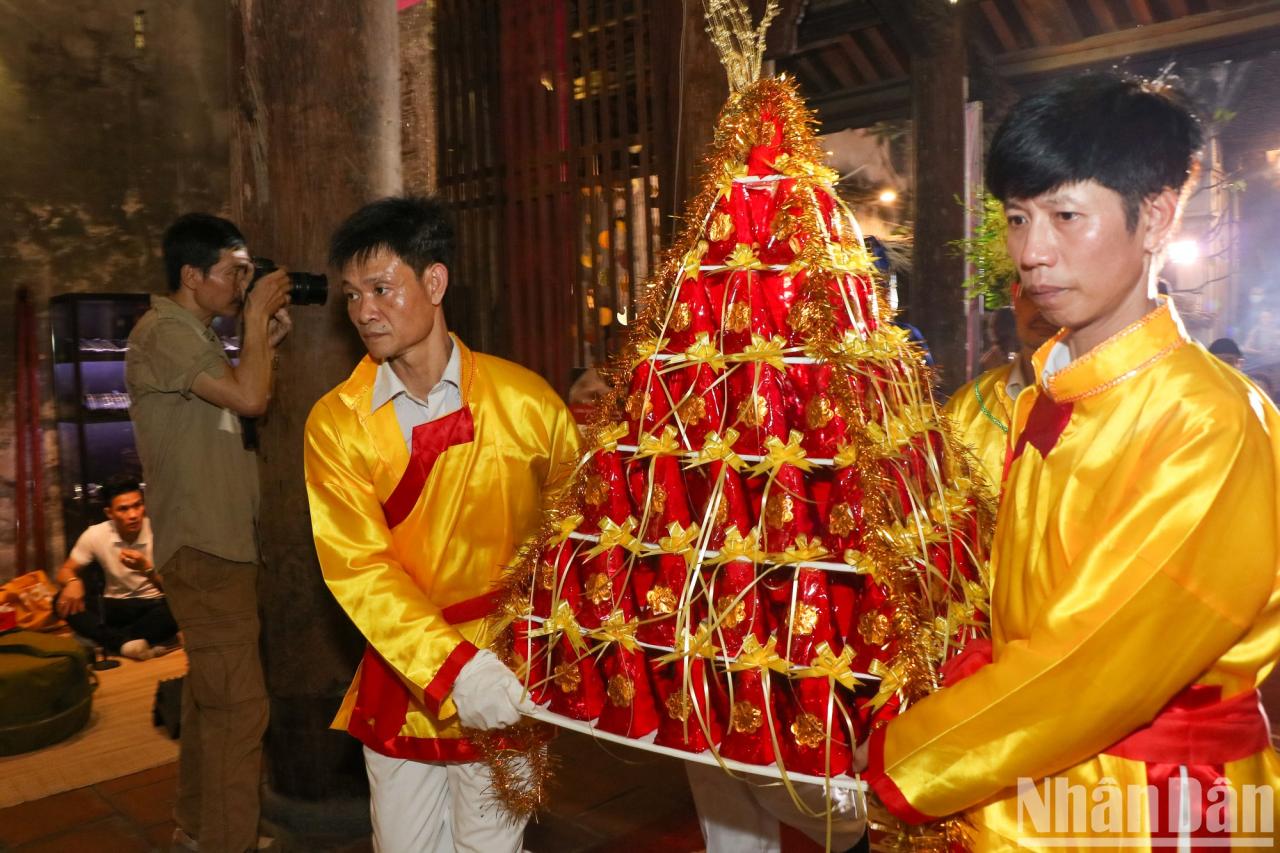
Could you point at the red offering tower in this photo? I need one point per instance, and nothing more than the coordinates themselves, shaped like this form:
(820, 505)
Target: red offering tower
(774, 542)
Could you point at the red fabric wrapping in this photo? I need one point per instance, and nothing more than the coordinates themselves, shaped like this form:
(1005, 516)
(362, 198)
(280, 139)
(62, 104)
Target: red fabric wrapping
(744, 311)
(685, 706)
(629, 708)
(700, 399)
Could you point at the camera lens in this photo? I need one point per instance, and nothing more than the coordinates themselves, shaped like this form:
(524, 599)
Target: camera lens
(307, 288)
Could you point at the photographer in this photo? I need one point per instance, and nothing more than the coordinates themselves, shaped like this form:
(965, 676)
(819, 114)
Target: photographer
(202, 491)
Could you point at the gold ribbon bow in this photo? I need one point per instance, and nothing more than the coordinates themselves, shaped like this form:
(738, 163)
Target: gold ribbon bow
(703, 351)
(755, 656)
(743, 257)
(699, 645)
(826, 664)
(778, 454)
(716, 448)
(616, 629)
(803, 550)
(614, 535)
(768, 352)
(563, 622)
(891, 681)
(680, 540)
(659, 445)
(692, 262)
(608, 437)
(739, 547)
(846, 455)
(564, 528)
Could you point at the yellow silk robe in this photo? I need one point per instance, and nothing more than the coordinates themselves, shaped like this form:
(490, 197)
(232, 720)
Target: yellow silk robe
(976, 428)
(1135, 555)
(419, 590)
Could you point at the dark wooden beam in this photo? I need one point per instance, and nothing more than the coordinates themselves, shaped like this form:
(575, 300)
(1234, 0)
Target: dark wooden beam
(1198, 32)
(1141, 12)
(850, 47)
(884, 54)
(1004, 34)
(910, 21)
(1036, 26)
(1105, 17)
(818, 28)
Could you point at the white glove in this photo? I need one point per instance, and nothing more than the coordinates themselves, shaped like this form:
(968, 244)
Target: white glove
(488, 695)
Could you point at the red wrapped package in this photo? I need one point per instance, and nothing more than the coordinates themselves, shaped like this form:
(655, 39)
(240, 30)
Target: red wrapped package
(735, 610)
(844, 519)
(752, 725)
(648, 403)
(806, 616)
(731, 510)
(805, 729)
(535, 661)
(557, 580)
(666, 499)
(786, 510)
(690, 316)
(700, 404)
(758, 404)
(604, 491)
(871, 636)
(768, 145)
(686, 714)
(744, 311)
(825, 429)
(575, 687)
(659, 600)
(605, 588)
(629, 709)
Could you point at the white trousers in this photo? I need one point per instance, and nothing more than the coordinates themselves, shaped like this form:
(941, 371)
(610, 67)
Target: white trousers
(741, 817)
(420, 807)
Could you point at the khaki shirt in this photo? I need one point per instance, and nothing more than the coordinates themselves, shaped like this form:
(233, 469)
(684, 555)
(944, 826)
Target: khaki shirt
(202, 485)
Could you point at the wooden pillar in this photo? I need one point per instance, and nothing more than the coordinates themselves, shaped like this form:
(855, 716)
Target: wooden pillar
(692, 83)
(939, 89)
(316, 133)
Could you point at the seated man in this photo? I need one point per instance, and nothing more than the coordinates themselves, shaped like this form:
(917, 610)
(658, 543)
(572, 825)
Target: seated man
(131, 617)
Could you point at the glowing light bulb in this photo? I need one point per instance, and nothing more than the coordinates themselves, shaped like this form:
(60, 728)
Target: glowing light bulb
(888, 196)
(1183, 252)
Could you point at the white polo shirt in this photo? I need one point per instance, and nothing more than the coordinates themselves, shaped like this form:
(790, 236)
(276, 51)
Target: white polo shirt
(103, 544)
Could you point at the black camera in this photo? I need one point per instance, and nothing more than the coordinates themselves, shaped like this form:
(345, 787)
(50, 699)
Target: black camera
(305, 288)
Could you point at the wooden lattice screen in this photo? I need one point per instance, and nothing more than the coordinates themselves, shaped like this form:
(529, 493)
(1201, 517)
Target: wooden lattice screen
(548, 124)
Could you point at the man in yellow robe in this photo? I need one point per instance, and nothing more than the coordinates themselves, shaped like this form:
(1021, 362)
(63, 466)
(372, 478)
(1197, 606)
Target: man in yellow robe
(426, 470)
(982, 410)
(1135, 605)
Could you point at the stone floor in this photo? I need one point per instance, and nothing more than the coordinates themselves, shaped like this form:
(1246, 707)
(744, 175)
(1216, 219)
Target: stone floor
(618, 799)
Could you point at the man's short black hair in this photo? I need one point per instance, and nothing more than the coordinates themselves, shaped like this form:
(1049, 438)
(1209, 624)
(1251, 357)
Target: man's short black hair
(1134, 137)
(197, 240)
(416, 228)
(1225, 346)
(117, 486)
